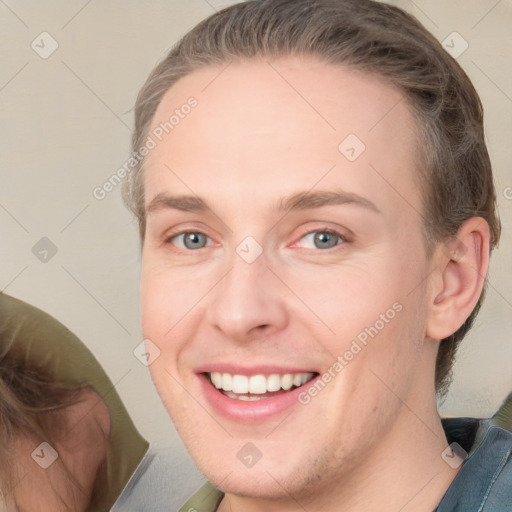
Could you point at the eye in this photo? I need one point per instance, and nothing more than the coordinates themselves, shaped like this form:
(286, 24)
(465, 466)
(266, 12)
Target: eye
(189, 240)
(324, 239)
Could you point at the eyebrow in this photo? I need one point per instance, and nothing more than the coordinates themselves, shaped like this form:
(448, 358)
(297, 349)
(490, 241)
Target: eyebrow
(298, 201)
(317, 199)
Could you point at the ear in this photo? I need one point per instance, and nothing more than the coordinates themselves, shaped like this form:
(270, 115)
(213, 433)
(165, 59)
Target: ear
(457, 283)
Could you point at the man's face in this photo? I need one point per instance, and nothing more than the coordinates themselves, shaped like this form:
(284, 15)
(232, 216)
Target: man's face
(278, 280)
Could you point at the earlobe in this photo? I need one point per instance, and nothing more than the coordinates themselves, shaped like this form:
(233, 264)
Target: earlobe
(462, 267)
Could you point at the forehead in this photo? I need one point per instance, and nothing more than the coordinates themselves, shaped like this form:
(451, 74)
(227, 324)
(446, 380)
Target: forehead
(266, 129)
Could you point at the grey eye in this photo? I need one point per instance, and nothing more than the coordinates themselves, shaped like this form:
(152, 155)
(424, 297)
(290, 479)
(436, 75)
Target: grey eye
(191, 240)
(321, 240)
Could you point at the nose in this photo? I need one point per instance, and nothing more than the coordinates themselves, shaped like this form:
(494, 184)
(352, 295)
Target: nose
(248, 302)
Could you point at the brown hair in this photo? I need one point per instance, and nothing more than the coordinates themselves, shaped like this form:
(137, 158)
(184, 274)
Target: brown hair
(455, 169)
(30, 403)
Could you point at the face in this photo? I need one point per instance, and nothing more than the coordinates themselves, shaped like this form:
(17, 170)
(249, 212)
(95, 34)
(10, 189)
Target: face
(284, 263)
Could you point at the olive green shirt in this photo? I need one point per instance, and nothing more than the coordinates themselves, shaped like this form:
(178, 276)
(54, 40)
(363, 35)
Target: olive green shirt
(207, 499)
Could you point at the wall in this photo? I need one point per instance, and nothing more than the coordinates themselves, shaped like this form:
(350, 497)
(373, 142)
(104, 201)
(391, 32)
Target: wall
(65, 129)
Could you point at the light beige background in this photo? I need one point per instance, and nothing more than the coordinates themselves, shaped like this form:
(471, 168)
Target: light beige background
(65, 129)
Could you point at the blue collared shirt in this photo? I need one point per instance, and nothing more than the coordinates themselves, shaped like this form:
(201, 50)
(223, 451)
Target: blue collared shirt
(484, 483)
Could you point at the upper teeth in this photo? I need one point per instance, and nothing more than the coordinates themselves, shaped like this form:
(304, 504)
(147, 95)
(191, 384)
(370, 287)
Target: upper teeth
(258, 384)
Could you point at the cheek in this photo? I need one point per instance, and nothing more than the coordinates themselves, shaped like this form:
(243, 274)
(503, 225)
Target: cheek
(168, 298)
(373, 319)
(171, 312)
(155, 304)
(347, 299)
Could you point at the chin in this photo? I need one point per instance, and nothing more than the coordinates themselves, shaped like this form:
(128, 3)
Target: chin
(269, 485)
(269, 478)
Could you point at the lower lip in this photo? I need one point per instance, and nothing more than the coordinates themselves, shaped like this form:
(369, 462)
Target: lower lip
(257, 411)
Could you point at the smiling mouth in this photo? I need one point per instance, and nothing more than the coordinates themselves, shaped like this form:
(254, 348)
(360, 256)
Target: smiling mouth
(257, 387)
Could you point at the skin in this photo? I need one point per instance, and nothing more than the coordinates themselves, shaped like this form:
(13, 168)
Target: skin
(372, 439)
(80, 447)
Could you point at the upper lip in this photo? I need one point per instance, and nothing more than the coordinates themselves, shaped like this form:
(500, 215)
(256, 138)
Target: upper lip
(265, 369)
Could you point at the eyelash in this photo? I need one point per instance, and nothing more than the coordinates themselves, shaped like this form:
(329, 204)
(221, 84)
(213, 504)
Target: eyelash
(329, 231)
(343, 239)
